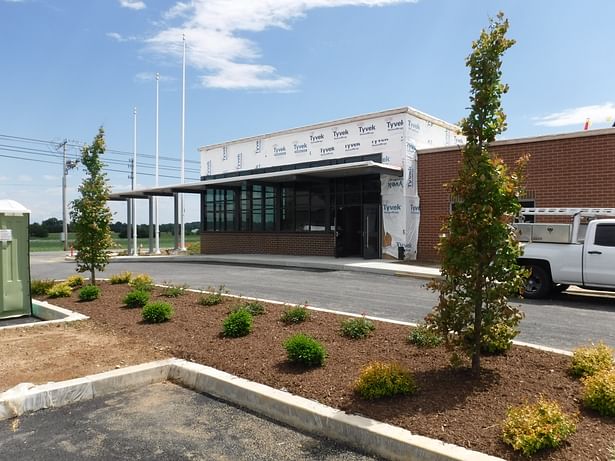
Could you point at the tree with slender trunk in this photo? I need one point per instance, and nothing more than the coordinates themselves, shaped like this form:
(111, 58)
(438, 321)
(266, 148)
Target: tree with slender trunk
(90, 214)
(478, 247)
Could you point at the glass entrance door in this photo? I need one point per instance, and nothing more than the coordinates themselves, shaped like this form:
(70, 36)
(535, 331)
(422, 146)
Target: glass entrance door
(371, 232)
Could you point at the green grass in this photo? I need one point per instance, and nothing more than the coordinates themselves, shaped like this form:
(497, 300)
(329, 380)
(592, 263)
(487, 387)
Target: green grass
(53, 243)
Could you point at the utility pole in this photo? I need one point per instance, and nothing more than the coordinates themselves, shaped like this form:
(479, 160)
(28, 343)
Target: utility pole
(66, 166)
(156, 215)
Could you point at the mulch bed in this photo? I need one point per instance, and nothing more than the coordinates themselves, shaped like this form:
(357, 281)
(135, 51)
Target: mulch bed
(450, 406)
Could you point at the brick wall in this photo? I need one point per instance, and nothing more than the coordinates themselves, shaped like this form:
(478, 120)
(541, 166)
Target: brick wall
(298, 244)
(576, 170)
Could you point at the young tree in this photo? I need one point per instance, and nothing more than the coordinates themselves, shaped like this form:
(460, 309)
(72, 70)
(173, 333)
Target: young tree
(90, 213)
(479, 248)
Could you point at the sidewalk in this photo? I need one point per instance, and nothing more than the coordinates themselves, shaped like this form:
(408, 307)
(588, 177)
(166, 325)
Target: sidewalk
(373, 266)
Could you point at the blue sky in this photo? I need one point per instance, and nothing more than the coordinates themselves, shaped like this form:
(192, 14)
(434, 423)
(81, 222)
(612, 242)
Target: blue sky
(256, 66)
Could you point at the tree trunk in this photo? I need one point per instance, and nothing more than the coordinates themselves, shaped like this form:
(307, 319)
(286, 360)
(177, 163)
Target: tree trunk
(478, 320)
(93, 277)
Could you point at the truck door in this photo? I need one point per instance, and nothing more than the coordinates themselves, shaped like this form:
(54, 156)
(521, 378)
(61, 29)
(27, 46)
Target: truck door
(599, 255)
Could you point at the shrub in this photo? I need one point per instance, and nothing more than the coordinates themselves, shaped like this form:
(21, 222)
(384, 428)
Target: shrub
(253, 307)
(89, 293)
(495, 340)
(157, 312)
(599, 392)
(136, 298)
(40, 287)
(212, 298)
(378, 380)
(294, 315)
(356, 328)
(174, 291)
(237, 323)
(530, 428)
(75, 281)
(142, 282)
(305, 350)
(121, 278)
(589, 360)
(423, 336)
(59, 290)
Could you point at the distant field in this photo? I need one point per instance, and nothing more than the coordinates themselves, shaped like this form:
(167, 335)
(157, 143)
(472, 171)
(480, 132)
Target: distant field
(53, 243)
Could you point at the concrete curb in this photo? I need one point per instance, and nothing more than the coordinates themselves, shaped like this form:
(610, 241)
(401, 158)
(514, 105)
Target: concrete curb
(49, 314)
(366, 434)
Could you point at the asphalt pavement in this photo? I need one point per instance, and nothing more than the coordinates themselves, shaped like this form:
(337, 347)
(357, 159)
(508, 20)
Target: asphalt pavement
(160, 422)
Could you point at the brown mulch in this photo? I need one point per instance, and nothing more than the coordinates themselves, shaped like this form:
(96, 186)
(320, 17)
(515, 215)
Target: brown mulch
(450, 406)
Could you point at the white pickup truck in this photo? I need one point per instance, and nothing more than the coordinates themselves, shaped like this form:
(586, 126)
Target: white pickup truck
(579, 253)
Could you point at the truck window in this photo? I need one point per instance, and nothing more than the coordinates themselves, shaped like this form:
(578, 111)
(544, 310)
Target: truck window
(605, 235)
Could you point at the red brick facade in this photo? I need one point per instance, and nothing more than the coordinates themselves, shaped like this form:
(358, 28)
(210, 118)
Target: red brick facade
(300, 244)
(575, 170)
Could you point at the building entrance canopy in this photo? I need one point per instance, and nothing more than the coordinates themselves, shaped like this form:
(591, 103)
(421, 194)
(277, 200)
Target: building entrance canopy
(288, 175)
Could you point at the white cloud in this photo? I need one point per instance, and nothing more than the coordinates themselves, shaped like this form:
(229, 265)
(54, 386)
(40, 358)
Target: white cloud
(24, 178)
(132, 4)
(120, 38)
(48, 177)
(14, 1)
(214, 45)
(601, 113)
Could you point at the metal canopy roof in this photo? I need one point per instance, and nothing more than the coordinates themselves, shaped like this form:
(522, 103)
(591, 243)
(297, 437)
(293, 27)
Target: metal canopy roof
(328, 171)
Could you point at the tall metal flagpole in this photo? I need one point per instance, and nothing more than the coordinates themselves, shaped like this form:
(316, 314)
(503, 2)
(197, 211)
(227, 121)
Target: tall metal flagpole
(134, 184)
(156, 216)
(182, 244)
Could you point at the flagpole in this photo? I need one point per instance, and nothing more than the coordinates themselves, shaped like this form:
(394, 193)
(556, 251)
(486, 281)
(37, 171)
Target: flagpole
(183, 125)
(156, 216)
(134, 183)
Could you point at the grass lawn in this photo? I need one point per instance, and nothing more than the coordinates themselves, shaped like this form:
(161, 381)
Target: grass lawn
(53, 243)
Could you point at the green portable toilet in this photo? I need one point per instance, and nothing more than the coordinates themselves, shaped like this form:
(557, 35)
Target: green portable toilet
(14, 260)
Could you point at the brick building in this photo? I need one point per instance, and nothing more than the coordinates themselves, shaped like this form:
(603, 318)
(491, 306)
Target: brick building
(567, 170)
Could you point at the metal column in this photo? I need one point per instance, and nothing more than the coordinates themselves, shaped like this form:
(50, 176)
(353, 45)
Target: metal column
(150, 200)
(129, 225)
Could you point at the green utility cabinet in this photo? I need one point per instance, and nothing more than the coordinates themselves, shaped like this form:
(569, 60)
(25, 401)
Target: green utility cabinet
(15, 297)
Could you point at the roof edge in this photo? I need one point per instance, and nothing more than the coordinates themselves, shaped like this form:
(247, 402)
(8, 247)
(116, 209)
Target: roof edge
(530, 139)
(400, 110)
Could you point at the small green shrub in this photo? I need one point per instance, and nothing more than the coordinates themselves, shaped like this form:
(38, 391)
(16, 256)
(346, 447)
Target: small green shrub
(599, 392)
(174, 291)
(142, 282)
(357, 328)
(213, 297)
(40, 287)
(612, 452)
(59, 290)
(253, 307)
(294, 315)
(136, 298)
(378, 380)
(423, 336)
(305, 350)
(157, 312)
(494, 341)
(589, 360)
(237, 323)
(533, 427)
(75, 281)
(121, 278)
(89, 293)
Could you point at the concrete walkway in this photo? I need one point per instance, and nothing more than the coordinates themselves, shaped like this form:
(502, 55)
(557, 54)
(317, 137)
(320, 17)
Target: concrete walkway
(374, 266)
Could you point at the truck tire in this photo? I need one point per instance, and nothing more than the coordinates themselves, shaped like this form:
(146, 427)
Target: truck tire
(538, 284)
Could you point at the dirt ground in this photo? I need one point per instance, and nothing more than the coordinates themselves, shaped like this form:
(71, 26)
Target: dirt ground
(450, 405)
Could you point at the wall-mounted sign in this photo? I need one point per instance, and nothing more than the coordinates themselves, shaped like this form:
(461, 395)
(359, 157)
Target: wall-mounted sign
(6, 235)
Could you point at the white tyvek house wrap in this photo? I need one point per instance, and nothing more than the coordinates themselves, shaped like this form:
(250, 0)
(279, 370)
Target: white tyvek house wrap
(396, 136)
